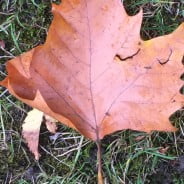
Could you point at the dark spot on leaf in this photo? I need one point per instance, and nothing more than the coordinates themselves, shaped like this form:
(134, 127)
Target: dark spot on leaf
(148, 67)
(107, 114)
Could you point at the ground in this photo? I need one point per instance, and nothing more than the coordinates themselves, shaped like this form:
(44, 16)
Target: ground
(67, 157)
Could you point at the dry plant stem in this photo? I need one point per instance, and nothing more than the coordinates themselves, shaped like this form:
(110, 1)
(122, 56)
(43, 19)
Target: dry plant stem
(99, 160)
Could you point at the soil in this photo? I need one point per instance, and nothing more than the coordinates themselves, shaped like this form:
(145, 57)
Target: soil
(168, 171)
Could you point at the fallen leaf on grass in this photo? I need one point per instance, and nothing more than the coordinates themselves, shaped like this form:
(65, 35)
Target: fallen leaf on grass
(31, 129)
(95, 74)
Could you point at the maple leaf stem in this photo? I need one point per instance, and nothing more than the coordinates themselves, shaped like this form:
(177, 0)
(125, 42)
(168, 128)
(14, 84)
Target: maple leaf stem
(99, 160)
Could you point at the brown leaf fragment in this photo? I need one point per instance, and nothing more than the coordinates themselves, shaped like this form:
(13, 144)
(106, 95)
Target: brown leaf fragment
(50, 124)
(2, 44)
(31, 130)
(140, 137)
(163, 150)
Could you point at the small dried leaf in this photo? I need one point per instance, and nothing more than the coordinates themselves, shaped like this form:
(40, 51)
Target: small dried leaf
(31, 130)
(163, 150)
(50, 124)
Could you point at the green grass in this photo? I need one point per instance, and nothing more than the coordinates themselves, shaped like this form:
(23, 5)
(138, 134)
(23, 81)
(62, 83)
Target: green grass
(69, 158)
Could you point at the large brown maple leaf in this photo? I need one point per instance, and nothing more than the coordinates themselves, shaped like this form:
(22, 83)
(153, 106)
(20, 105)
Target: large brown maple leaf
(95, 74)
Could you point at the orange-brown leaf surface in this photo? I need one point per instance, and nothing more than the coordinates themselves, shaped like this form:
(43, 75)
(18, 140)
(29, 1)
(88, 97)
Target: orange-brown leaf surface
(95, 74)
